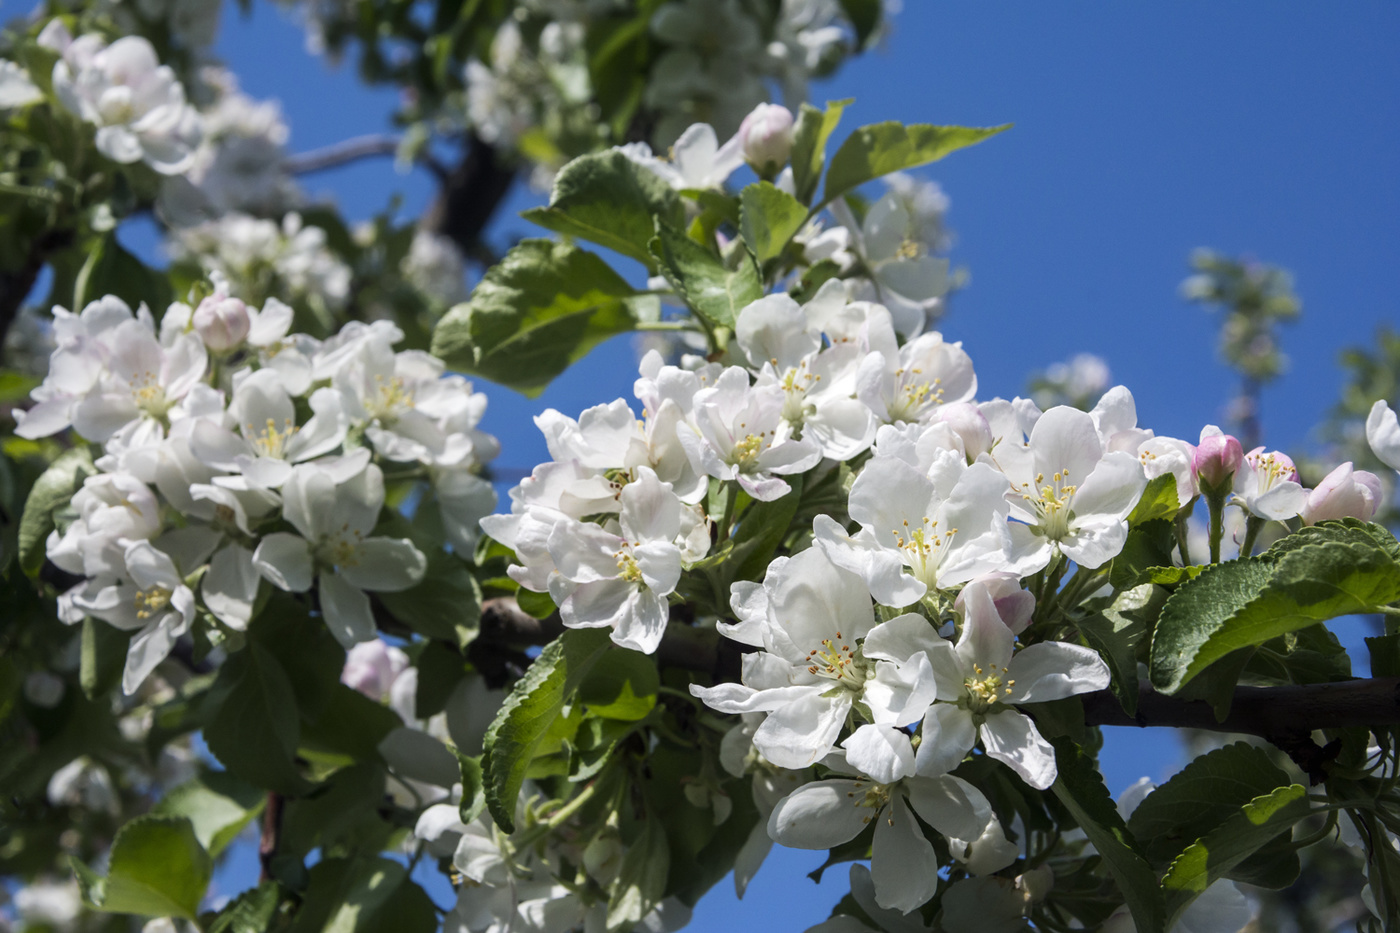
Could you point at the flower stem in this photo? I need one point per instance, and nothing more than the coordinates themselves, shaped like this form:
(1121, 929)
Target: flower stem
(1217, 525)
(1182, 528)
(1252, 526)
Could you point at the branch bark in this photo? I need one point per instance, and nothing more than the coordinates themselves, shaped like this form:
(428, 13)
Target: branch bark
(271, 834)
(1284, 716)
(341, 153)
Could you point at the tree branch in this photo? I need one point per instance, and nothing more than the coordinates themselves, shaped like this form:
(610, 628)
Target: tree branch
(341, 153)
(1284, 716)
(271, 834)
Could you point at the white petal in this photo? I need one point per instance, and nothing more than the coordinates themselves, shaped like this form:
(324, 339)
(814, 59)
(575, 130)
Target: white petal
(346, 611)
(802, 732)
(950, 805)
(1053, 670)
(385, 565)
(948, 734)
(285, 560)
(820, 815)
(881, 752)
(903, 863)
(231, 586)
(1012, 738)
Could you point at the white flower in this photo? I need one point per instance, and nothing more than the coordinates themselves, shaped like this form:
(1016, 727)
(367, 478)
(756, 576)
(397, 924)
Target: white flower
(910, 383)
(1343, 493)
(946, 525)
(903, 865)
(136, 102)
(1070, 493)
(114, 510)
(981, 677)
(143, 383)
(697, 161)
(335, 549)
(1383, 434)
(1266, 486)
(906, 279)
(809, 616)
(620, 578)
(16, 87)
(84, 783)
(740, 434)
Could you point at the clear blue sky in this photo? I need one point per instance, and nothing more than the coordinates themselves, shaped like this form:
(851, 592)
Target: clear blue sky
(1141, 132)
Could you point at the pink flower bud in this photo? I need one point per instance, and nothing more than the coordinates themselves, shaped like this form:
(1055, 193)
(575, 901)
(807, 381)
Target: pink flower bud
(372, 667)
(766, 135)
(968, 422)
(1345, 493)
(1014, 605)
(221, 322)
(1218, 457)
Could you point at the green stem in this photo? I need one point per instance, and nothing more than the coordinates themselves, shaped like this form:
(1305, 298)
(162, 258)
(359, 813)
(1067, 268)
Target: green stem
(728, 521)
(1252, 527)
(1182, 528)
(1217, 525)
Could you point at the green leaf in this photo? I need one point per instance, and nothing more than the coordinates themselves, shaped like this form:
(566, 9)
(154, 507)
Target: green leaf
(253, 911)
(1158, 500)
(349, 724)
(865, 17)
(254, 729)
(814, 127)
(700, 277)
(445, 605)
(608, 199)
(440, 669)
(1115, 633)
(1333, 569)
(1385, 655)
(1081, 789)
(768, 218)
(110, 270)
(1149, 546)
(534, 314)
(622, 685)
(1200, 797)
(535, 605)
(218, 806)
(103, 657)
(641, 881)
(157, 869)
(532, 707)
(1212, 857)
(54, 488)
(473, 788)
(880, 148)
(364, 895)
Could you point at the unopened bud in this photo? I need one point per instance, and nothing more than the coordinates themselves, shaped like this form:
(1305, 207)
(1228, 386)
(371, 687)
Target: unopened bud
(1218, 457)
(1344, 493)
(968, 422)
(766, 134)
(221, 322)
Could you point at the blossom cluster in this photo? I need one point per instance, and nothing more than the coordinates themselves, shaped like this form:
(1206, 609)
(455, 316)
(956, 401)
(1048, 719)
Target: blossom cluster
(235, 452)
(901, 640)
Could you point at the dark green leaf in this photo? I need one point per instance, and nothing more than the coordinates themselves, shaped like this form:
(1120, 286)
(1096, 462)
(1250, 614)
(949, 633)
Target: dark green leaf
(535, 605)
(864, 16)
(1116, 632)
(53, 489)
(349, 724)
(608, 199)
(813, 129)
(532, 707)
(641, 881)
(534, 313)
(1200, 797)
(769, 217)
(364, 895)
(1081, 789)
(440, 669)
(217, 804)
(881, 148)
(621, 685)
(700, 277)
(1149, 545)
(473, 788)
(254, 728)
(1213, 856)
(103, 657)
(445, 605)
(253, 911)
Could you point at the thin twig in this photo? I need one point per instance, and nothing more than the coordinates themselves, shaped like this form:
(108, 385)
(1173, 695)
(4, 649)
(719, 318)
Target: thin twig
(342, 153)
(271, 834)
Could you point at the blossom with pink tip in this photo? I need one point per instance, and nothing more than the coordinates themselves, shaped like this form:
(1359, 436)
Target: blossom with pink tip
(766, 136)
(1218, 457)
(1344, 493)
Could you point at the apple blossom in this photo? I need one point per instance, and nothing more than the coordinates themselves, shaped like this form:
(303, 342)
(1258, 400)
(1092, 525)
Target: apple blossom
(1218, 458)
(767, 138)
(1266, 486)
(1343, 493)
(1383, 434)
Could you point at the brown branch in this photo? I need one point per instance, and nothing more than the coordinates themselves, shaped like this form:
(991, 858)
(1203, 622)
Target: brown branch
(1284, 716)
(469, 197)
(271, 834)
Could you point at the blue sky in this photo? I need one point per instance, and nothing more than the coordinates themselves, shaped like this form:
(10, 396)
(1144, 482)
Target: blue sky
(1141, 132)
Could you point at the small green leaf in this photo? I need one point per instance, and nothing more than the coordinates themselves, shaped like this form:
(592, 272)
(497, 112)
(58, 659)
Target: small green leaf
(1158, 500)
(881, 148)
(1149, 546)
(1200, 797)
(622, 685)
(157, 869)
(445, 605)
(1329, 570)
(364, 895)
(473, 788)
(535, 605)
(253, 911)
(534, 314)
(769, 217)
(254, 728)
(714, 292)
(532, 707)
(53, 489)
(1081, 789)
(1116, 632)
(608, 199)
(814, 127)
(1214, 855)
(641, 881)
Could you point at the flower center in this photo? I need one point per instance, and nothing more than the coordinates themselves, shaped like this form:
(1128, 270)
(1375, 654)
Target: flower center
(873, 796)
(746, 451)
(1051, 501)
(390, 398)
(910, 249)
(985, 688)
(1270, 470)
(838, 662)
(924, 548)
(341, 548)
(270, 441)
(149, 394)
(151, 601)
(914, 395)
(627, 567)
